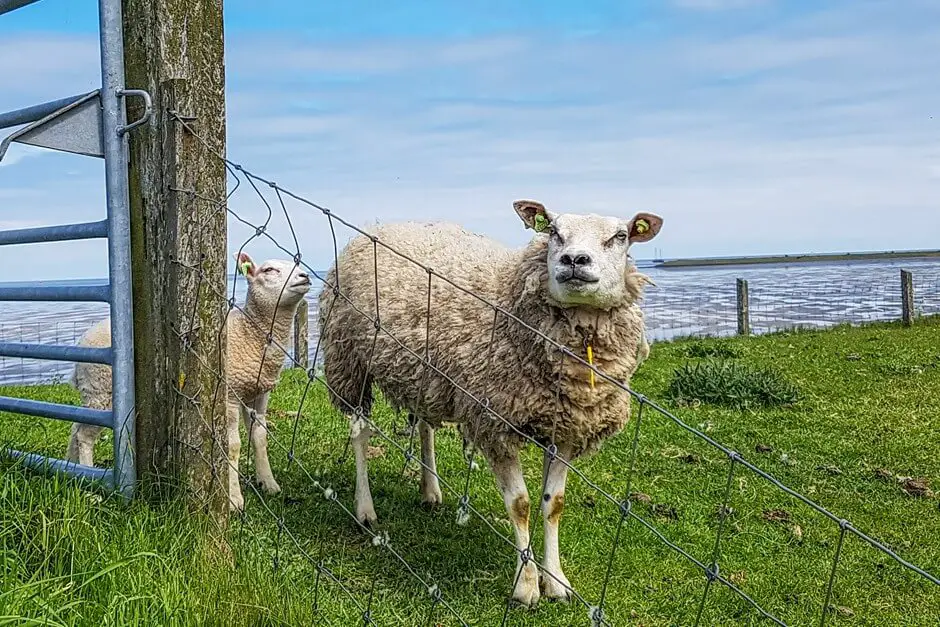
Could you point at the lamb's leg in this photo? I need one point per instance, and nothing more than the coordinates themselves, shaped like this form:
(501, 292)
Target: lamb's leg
(258, 436)
(359, 434)
(511, 483)
(430, 489)
(236, 500)
(554, 583)
(82, 443)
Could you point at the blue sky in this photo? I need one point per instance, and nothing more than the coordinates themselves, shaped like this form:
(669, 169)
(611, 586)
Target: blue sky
(752, 126)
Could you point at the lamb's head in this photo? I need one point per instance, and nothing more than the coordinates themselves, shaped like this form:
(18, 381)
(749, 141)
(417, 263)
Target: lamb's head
(588, 262)
(276, 283)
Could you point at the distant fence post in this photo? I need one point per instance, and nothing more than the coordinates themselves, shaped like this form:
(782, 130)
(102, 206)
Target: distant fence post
(744, 313)
(174, 50)
(301, 322)
(907, 298)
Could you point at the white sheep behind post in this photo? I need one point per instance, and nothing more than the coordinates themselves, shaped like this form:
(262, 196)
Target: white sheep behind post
(573, 282)
(254, 363)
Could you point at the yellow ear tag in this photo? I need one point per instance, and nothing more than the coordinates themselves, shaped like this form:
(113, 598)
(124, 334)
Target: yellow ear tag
(642, 226)
(590, 356)
(245, 267)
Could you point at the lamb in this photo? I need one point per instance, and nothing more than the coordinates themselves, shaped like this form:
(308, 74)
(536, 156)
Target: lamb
(275, 288)
(573, 282)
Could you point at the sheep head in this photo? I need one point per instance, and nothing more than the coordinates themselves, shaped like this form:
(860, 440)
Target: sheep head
(588, 262)
(276, 283)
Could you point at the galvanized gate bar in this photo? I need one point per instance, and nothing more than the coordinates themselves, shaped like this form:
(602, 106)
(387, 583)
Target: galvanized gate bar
(71, 413)
(55, 352)
(113, 123)
(57, 233)
(46, 464)
(91, 124)
(36, 112)
(12, 5)
(83, 293)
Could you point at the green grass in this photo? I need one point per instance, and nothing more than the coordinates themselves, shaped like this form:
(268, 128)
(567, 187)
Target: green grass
(730, 384)
(869, 413)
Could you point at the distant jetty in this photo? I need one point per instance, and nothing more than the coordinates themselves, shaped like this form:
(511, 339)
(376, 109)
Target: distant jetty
(798, 258)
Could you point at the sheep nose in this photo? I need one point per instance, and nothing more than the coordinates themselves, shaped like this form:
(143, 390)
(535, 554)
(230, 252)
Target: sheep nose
(303, 275)
(578, 259)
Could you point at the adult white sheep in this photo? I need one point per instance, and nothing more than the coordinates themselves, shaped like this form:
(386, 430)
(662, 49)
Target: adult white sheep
(275, 288)
(573, 282)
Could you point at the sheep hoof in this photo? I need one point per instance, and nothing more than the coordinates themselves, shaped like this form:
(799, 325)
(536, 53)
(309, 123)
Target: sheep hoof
(236, 503)
(366, 516)
(269, 486)
(526, 592)
(556, 588)
(432, 498)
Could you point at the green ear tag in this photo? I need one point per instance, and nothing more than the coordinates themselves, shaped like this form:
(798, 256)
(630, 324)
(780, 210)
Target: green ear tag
(642, 226)
(246, 266)
(541, 222)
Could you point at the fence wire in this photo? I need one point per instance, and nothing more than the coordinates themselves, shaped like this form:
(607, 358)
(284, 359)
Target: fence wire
(437, 600)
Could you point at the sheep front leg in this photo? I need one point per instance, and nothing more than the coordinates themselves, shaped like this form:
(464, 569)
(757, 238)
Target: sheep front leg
(359, 434)
(511, 483)
(257, 428)
(82, 443)
(236, 500)
(554, 583)
(430, 489)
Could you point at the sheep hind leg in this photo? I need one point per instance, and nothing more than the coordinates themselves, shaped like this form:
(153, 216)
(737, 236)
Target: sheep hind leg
(430, 487)
(511, 483)
(82, 443)
(257, 428)
(554, 583)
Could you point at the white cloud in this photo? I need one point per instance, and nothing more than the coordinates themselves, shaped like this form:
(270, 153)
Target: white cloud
(17, 152)
(796, 137)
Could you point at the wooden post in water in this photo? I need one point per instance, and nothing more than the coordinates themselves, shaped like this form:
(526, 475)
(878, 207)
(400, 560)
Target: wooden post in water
(174, 50)
(907, 298)
(301, 321)
(744, 313)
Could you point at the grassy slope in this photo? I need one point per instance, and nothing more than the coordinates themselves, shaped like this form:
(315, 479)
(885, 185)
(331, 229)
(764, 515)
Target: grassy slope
(871, 401)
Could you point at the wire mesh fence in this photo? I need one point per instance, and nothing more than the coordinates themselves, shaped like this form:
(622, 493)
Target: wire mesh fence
(354, 593)
(348, 582)
(683, 304)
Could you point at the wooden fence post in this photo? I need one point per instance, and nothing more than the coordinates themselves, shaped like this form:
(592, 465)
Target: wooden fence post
(174, 50)
(907, 298)
(744, 314)
(301, 346)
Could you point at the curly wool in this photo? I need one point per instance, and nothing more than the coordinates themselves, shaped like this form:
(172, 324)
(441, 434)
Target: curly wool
(537, 391)
(252, 365)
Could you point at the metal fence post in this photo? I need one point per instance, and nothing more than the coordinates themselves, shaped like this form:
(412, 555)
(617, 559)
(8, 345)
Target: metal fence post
(907, 298)
(744, 315)
(122, 322)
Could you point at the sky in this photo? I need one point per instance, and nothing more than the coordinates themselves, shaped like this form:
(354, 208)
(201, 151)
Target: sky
(750, 126)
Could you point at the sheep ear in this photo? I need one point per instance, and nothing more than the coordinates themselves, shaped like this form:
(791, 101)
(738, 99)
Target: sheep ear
(533, 214)
(644, 227)
(245, 264)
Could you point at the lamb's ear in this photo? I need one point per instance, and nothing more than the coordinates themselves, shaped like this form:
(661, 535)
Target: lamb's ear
(245, 264)
(644, 227)
(533, 214)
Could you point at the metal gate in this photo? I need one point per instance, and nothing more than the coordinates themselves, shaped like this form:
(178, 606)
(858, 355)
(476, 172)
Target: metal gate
(91, 124)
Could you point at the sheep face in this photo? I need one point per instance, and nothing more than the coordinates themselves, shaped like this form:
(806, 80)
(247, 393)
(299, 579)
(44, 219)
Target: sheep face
(588, 262)
(277, 283)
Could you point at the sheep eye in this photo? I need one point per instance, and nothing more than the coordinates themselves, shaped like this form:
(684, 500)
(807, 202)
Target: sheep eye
(266, 270)
(621, 235)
